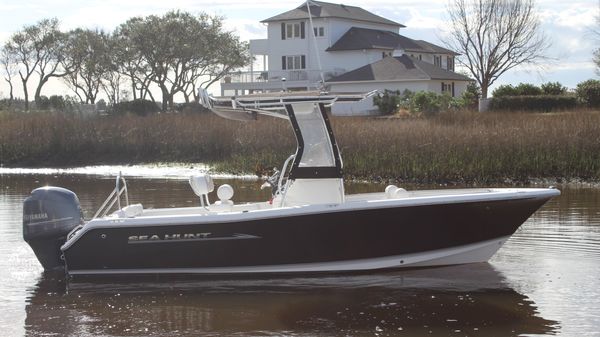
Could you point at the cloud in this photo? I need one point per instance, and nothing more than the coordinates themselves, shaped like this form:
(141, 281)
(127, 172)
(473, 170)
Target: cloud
(576, 18)
(4, 36)
(247, 29)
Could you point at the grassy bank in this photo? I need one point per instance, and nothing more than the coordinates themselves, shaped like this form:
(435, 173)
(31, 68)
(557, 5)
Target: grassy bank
(459, 147)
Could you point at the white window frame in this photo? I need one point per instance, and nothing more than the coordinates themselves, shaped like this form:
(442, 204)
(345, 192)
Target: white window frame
(437, 60)
(319, 31)
(292, 31)
(293, 62)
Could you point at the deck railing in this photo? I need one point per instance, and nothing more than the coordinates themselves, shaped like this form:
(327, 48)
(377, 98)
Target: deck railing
(272, 75)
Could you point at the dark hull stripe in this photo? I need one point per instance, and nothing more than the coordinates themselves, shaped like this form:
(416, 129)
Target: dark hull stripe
(312, 238)
(478, 252)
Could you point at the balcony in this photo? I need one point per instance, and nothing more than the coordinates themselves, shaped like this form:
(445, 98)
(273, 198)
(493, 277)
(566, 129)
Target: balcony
(266, 76)
(270, 80)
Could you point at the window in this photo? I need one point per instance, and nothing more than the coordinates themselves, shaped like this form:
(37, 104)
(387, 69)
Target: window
(317, 151)
(448, 88)
(450, 63)
(292, 31)
(294, 62)
(319, 31)
(437, 60)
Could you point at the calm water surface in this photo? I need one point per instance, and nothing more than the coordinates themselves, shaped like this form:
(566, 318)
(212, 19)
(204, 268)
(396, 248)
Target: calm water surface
(544, 281)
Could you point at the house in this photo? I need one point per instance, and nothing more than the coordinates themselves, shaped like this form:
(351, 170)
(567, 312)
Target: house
(357, 51)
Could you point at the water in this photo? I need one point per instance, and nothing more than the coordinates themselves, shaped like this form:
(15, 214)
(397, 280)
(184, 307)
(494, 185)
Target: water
(544, 281)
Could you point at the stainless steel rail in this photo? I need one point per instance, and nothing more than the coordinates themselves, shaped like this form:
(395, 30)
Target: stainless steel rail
(114, 197)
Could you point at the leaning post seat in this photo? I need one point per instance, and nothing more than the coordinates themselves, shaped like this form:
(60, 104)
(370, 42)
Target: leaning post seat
(202, 184)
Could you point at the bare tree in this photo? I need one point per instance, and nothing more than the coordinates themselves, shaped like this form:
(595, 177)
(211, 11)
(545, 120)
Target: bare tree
(495, 36)
(10, 69)
(38, 49)
(111, 84)
(21, 49)
(50, 46)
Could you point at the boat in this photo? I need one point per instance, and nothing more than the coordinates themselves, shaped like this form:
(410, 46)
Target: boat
(310, 225)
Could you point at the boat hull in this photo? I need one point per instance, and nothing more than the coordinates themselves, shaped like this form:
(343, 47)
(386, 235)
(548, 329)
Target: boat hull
(334, 241)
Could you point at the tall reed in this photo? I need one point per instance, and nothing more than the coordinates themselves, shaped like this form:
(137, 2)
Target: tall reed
(457, 147)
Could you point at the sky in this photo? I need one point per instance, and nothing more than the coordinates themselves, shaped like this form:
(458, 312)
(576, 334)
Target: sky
(568, 24)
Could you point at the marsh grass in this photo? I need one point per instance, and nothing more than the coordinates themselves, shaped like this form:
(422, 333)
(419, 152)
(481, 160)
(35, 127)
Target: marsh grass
(450, 148)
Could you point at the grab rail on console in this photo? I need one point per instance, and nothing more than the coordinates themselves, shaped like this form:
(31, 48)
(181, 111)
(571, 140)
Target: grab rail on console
(114, 197)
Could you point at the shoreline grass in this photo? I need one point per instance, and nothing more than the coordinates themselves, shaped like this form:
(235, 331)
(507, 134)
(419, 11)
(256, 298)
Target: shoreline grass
(452, 148)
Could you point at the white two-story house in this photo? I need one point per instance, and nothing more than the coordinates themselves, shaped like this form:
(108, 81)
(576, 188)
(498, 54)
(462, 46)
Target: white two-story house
(357, 51)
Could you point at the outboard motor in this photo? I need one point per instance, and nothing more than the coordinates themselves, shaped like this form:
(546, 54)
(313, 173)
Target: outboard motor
(49, 214)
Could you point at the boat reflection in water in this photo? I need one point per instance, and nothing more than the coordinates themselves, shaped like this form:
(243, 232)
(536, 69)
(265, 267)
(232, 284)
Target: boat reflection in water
(471, 299)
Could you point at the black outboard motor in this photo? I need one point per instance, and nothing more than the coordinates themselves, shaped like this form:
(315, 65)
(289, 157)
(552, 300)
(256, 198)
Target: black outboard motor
(49, 214)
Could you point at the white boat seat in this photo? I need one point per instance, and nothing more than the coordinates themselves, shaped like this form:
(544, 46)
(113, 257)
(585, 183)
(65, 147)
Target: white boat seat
(202, 184)
(401, 194)
(225, 193)
(390, 191)
(130, 211)
(395, 192)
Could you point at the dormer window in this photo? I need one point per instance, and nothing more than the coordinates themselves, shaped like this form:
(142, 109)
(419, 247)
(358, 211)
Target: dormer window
(437, 60)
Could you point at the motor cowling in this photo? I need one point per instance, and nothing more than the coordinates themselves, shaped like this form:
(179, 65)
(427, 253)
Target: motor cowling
(49, 214)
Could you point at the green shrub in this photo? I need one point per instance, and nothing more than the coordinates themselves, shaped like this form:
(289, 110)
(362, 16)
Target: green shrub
(588, 93)
(470, 97)
(43, 103)
(533, 103)
(553, 88)
(388, 101)
(57, 102)
(423, 102)
(140, 107)
(526, 89)
(101, 105)
(429, 103)
(504, 90)
(523, 89)
(191, 107)
(5, 104)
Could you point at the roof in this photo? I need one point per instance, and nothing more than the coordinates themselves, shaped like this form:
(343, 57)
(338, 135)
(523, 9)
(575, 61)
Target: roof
(431, 48)
(363, 38)
(402, 68)
(319, 9)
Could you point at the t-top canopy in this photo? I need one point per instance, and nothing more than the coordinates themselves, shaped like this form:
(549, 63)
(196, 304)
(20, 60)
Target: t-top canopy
(247, 107)
(317, 154)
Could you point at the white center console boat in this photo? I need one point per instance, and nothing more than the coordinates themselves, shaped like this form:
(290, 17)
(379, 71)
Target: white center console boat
(310, 225)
